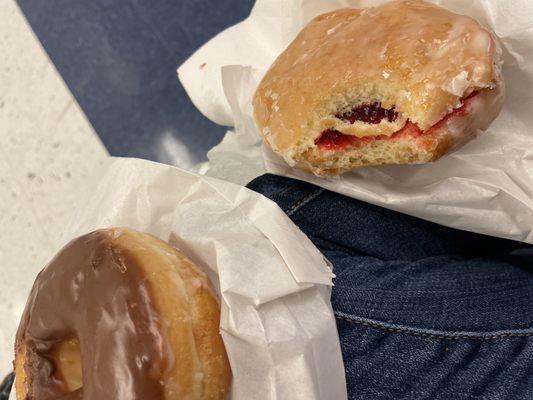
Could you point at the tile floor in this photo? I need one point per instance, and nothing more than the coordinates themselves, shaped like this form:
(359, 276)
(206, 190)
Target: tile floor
(66, 67)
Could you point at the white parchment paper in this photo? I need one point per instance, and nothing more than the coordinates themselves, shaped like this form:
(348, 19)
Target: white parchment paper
(274, 284)
(485, 187)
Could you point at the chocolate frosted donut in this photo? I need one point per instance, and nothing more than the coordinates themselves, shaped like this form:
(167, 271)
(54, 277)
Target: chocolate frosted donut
(120, 315)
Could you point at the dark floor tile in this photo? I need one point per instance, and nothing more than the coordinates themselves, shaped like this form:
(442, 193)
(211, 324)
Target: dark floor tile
(119, 59)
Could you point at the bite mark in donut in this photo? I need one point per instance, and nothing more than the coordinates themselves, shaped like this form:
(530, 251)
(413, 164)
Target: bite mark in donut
(333, 139)
(408, 58)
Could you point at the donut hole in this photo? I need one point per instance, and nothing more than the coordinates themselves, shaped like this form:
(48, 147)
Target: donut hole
(66, 356)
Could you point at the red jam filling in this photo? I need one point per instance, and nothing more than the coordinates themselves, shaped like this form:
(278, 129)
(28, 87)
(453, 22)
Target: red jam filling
(332, 139)
(369, 113)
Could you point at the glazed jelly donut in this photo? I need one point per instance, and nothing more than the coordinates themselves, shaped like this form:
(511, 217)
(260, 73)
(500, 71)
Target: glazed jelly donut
(121, 315)
(404, 82)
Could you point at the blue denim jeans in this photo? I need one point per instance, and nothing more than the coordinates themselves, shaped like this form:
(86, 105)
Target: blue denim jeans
(423, 311)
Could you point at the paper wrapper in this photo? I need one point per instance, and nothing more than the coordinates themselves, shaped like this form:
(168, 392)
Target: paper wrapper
(485, 187)
(274, 284)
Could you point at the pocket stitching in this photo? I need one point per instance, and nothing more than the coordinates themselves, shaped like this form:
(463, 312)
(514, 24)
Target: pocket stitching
(434, 334)
(302, 202)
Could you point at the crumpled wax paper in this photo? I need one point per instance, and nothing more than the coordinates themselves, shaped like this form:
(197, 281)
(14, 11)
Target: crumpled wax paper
(274, 285)
(485, 187)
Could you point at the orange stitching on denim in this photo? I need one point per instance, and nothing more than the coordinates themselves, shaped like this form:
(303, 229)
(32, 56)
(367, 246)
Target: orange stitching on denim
(413, 332)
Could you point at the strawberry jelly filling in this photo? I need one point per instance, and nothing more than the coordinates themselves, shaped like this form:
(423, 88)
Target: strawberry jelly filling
(369, 113)
(332, 139)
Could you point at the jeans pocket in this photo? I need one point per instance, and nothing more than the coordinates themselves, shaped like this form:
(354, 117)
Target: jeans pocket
(385, 361)
(436, 328)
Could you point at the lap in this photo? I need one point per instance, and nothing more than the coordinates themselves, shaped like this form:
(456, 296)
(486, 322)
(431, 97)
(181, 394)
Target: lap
(423, 311)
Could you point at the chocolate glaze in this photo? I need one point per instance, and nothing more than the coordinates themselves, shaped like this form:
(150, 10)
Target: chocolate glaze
(97, 292)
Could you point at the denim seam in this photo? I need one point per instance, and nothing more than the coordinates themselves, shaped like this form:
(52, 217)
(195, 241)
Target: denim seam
(334, 246)
(433, 334)
(302, 202)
